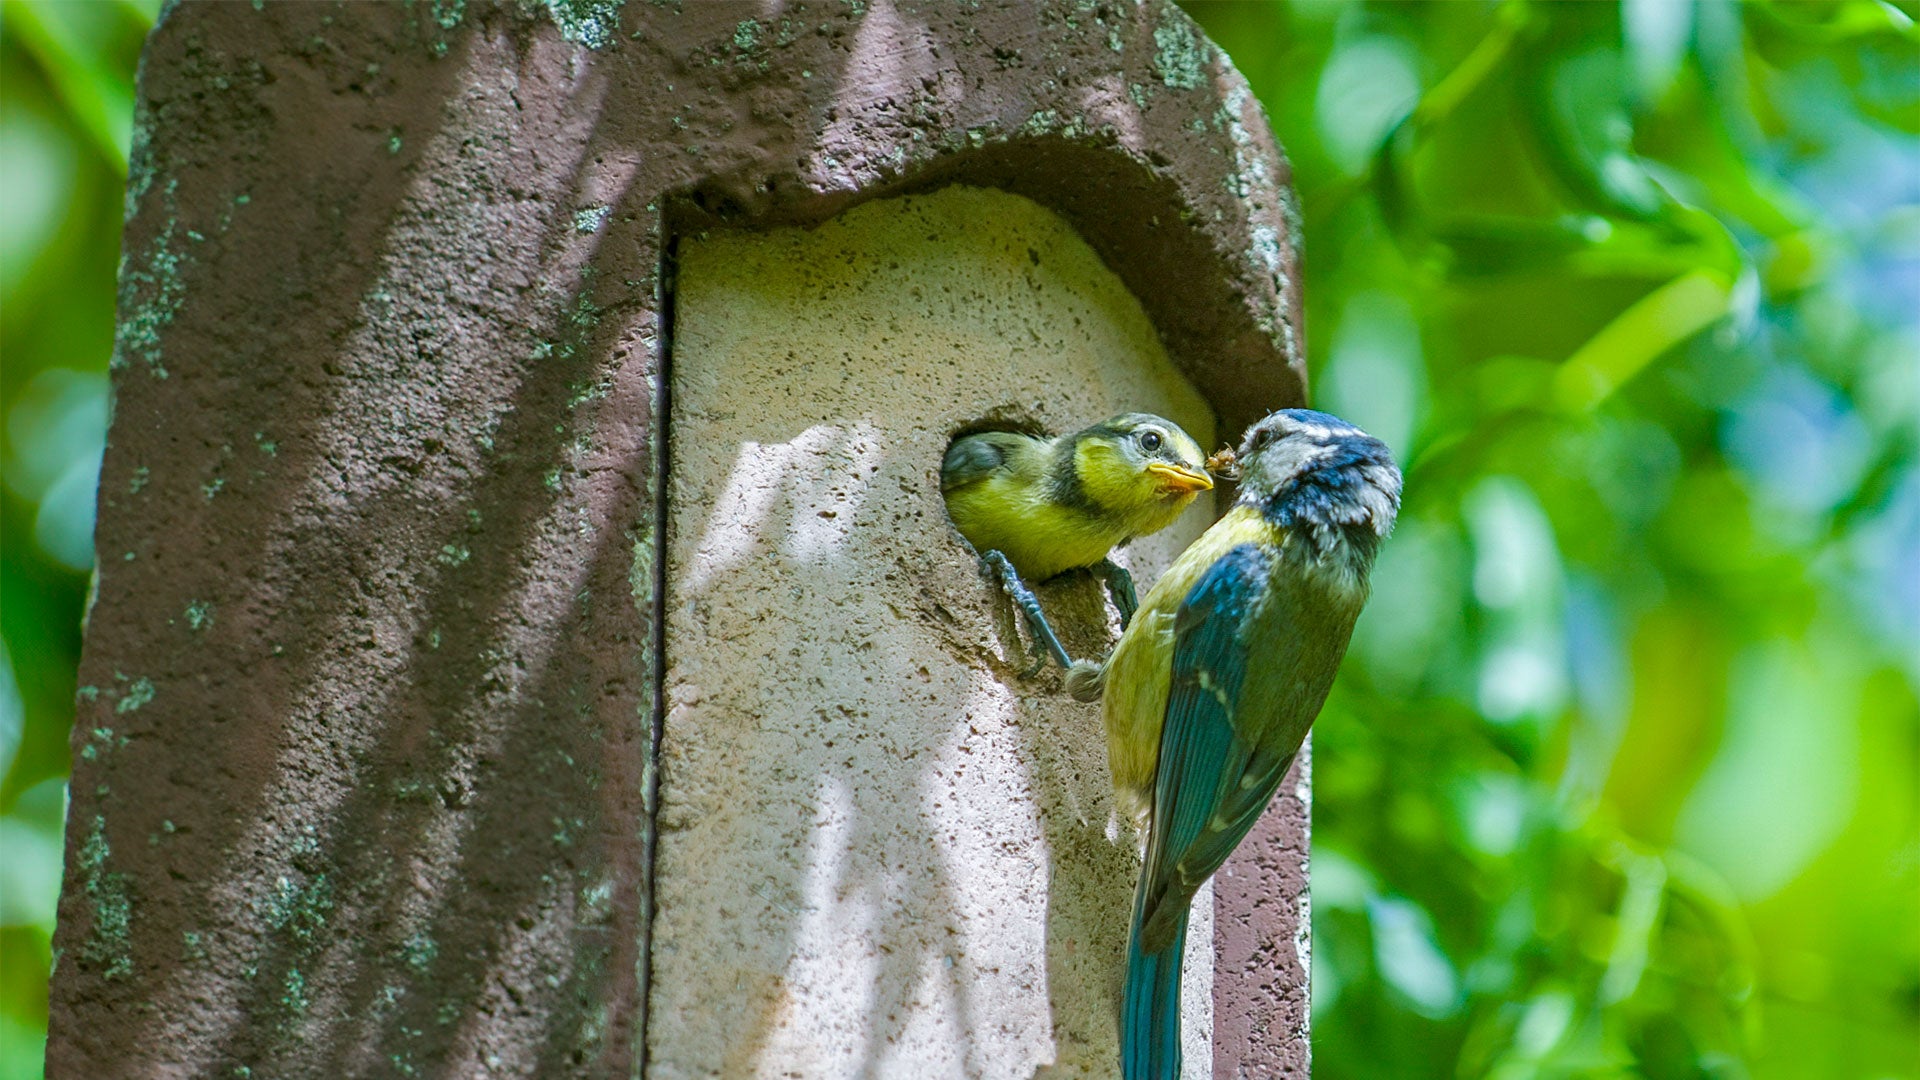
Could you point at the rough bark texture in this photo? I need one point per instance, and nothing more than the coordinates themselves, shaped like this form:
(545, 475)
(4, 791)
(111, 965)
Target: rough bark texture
(367, 712)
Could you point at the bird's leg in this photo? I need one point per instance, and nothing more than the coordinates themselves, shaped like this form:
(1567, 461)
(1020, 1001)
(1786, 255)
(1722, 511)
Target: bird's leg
(1028, 604)
(1120, 587)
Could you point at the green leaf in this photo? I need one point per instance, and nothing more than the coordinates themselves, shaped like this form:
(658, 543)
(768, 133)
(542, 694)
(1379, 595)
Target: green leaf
(99, 98)
(1638, 336)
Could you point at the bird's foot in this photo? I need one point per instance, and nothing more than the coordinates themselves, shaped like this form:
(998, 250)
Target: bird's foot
(1029, 606)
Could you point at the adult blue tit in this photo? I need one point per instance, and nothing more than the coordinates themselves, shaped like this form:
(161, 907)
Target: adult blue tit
(1211, 688)
(1035, 507)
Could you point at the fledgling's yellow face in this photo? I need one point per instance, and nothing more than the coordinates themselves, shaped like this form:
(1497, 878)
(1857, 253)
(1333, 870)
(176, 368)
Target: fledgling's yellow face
(1144, 465)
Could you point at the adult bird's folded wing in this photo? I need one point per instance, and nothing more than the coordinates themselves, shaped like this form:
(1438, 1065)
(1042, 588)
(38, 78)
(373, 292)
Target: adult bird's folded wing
(1202, 758)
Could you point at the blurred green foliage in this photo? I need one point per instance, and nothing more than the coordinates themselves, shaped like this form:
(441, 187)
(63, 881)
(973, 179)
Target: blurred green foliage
(1620, 778)
(66, 105)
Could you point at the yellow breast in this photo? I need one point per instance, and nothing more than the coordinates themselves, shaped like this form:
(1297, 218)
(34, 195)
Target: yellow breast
(1010, 514)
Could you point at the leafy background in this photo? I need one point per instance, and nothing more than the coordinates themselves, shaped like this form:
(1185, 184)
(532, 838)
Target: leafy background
(1620, 778)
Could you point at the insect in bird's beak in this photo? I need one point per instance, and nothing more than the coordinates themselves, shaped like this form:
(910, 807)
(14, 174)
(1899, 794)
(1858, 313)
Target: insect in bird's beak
(1175, 480)
(1224, 464)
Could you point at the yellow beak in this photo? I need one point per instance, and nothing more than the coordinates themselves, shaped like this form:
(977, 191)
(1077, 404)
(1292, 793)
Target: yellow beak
(1178, 481)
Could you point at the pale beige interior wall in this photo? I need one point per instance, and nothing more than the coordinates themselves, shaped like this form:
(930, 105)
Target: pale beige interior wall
(883, 851)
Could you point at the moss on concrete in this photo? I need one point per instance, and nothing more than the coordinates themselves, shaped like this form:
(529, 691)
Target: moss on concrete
(151, 292)
(1180, 53)
(586, 22)
(137, 694)
(109, 940)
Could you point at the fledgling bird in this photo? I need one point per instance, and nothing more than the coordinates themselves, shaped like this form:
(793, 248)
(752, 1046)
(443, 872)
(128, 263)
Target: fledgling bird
(1035, 507)
(1212, 687)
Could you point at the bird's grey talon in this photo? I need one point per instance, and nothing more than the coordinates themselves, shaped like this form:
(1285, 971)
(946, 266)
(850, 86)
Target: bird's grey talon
(1029, 606)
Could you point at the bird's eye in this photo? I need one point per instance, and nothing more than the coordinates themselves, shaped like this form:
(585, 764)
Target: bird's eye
(1150, 441)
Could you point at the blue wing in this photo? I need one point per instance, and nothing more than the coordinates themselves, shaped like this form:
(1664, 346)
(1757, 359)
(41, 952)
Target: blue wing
(1254, 652)
(1212, 783)
(1201, 759)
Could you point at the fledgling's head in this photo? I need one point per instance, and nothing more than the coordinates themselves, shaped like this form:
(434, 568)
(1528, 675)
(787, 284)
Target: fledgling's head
(1314, 470)
(1139, 461)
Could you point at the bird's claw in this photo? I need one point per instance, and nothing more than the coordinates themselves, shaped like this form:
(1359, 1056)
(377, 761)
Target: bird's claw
(1029, 606)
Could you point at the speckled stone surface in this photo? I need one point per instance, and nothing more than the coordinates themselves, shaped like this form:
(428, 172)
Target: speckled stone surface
(365, 746)
(883, 852)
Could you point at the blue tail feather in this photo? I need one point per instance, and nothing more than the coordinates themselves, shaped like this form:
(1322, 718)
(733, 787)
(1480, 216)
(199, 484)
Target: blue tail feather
(1150, 1017)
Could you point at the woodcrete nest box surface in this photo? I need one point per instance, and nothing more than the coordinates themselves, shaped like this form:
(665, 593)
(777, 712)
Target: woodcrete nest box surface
(530, 640)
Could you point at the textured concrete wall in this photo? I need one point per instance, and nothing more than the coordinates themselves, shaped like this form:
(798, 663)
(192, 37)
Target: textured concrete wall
(883, 852)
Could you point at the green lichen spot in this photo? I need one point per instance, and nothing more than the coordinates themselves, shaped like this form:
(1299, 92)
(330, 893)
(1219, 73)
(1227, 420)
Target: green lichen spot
(137, 695)
(141, 474)
(589, 219)
(454, 554)
(87, 693)
(581, 393)
(586, 314)
(1179, 55)
(199, 615)
(418, 951)
(448, 13)
(299, 910)
(586, 22)
(212, 488)
(1040, 122)
(412, 788)
(293, 997)
(746, 36)
(109, 942)
(596, 902)
(151, 292)
(102, 742)
(267, 446)
(393, 143)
